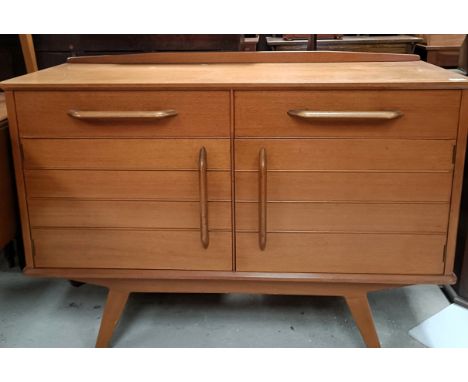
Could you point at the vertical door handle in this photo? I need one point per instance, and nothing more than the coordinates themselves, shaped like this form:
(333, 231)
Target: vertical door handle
(262, 198)
(202, 165)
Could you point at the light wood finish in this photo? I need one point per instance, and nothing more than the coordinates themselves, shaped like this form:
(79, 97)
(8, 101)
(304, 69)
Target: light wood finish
(131, 249)
(335, 75)
(341, 253)
(347, 155)
(199, 114)
(426, 114)
(236, 57)
(125, 154)
(444, 39)
(29, 54)
(116, 301)
(236, 276)
(119, 289)
(360, 309)
(457, 184)
(346, 217)
(55, 212)
(114, 116)
(351, 207)
(333, 115)
(125, 185)
(360, 186)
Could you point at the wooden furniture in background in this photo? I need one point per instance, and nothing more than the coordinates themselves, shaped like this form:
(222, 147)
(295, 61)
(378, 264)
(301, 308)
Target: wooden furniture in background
(29, 54)
(301, 175)
(379, 44)
(440, 49)
(8, 224)
(53, 50)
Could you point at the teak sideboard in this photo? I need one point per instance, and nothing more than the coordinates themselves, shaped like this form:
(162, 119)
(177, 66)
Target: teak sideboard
(279, 173)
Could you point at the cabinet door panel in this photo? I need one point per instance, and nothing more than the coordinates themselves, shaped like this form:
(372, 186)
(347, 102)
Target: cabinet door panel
(345, 217)
(131, 249)
(346, 155)
(125, 154)
(126, 214)
(341, 253)
(126, 185)
(347, 186)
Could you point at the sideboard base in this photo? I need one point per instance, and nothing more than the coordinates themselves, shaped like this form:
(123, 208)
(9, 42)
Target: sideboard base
(354, 294)
(353, 287)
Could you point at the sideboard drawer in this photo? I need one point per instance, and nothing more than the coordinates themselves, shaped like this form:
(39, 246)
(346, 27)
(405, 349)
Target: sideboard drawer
(424, 114)
(341, 253)
(199, 113)
(131, 249)
(125, 154)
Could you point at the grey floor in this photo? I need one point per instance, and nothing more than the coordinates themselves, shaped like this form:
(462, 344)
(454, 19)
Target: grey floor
(36, 312)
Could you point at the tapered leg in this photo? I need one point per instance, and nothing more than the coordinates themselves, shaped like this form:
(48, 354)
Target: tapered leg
(360, 309)
(115, 305)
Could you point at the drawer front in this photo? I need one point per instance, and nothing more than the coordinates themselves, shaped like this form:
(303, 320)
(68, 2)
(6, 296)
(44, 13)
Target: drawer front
(126, 214)
(125, 154)
(131, 249)
(346, 154)
(341, 253)
(425, 114)
(345, 217)
(199, 114)
(126, 185)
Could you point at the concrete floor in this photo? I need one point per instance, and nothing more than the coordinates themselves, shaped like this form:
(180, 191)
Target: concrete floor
(36, 312)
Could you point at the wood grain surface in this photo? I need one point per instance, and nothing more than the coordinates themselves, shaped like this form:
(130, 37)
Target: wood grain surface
(426, 114)
(341, 253)
(199, 114)
(125, 154)
(131, 249)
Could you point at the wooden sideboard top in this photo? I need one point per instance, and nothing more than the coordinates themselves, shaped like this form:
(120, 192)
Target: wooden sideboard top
(403, 71)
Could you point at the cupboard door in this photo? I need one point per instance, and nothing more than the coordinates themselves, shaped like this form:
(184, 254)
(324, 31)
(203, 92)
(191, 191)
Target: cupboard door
(342, 205)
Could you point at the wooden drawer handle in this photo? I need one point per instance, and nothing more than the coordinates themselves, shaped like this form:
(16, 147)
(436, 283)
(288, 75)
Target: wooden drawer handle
(121, 115)
(346, 115)
(262, 197)
(202, 165)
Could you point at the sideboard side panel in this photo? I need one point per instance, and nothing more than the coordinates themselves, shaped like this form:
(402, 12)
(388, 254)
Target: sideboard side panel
(19, 175)
(457, 183)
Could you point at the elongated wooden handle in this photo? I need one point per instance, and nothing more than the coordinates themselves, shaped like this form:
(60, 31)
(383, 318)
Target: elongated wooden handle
(346, 115)
(262, 197)
(204, 234)
(90, 115)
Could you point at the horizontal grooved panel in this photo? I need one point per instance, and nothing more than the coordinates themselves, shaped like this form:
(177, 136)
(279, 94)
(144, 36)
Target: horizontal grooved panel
(83, 248)
(341, 253)
(332, 186)
(125, 154)
(341, 154)
(164, 185)
(134, 214)
(346, 217)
